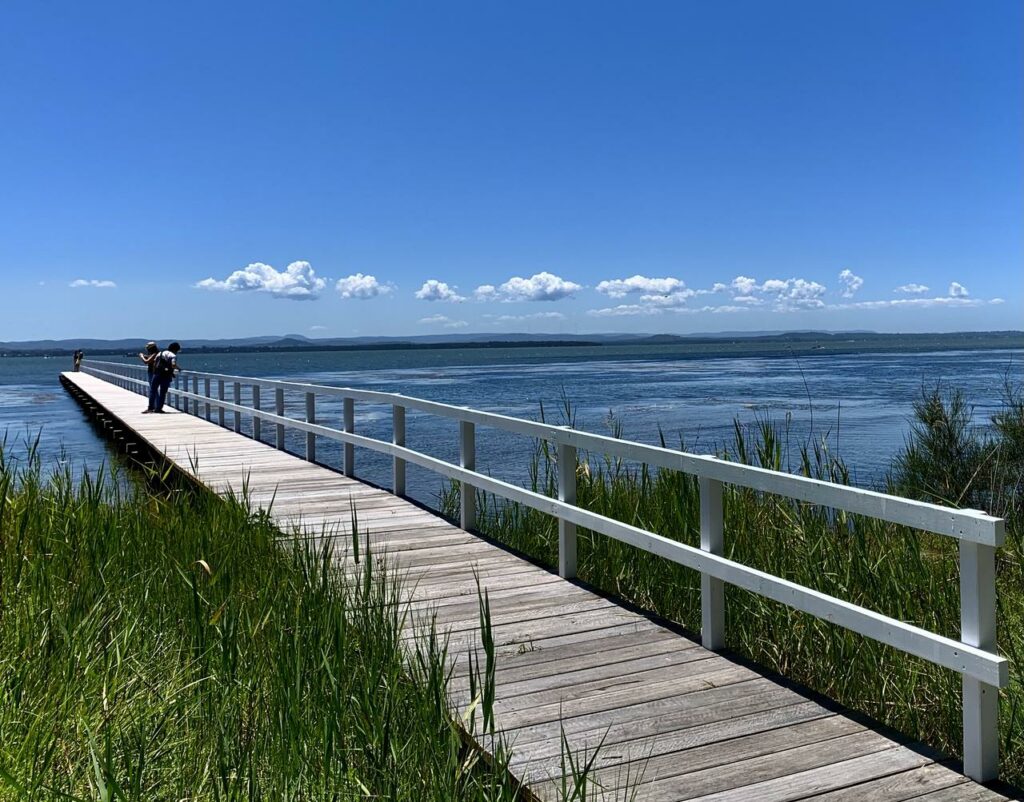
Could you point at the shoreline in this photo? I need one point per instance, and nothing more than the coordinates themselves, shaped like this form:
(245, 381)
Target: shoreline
(802, 344)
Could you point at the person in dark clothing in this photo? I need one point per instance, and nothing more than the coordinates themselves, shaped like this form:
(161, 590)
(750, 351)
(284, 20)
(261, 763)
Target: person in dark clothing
(165, 366)
(148, 358)
(77, 358)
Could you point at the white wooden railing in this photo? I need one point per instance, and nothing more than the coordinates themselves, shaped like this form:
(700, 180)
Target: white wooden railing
(974, 656)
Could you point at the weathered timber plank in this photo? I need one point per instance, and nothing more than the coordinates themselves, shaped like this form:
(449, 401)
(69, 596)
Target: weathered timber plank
(913, 784)
(831, 776)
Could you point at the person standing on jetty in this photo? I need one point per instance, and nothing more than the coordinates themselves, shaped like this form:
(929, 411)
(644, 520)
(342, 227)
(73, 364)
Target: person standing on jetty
(77, 359)
(148, 357)
(165, 365)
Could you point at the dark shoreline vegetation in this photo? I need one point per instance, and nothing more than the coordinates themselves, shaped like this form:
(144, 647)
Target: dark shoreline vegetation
(720, 345)
(900, 572)
(164, 646)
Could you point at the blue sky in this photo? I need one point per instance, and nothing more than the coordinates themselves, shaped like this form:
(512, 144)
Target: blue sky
(208, 169)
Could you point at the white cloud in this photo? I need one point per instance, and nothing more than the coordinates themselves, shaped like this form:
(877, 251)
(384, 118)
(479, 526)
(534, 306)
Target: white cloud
(794, 293)
(318, 328)
(912, 289)
(667, 292)
(671, 300)
(92, 282)
(443, 320)
(743, 285)
(298, 281)
(534, 316)
(361, 286)
(434, 290)
(620, 287)
(625, 310)
(541, 286)
(851, 283)
(957, 290)
(904, 303)
(786, 295)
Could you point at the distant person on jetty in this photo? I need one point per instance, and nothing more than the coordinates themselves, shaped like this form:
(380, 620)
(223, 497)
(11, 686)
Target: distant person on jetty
(77, 357)
(164, 367)
(149, 357)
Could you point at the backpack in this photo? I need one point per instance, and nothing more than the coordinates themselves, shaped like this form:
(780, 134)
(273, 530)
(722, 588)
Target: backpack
(163, 366)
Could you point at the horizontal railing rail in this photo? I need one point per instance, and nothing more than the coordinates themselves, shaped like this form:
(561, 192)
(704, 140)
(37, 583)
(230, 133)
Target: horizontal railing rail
(974, 656)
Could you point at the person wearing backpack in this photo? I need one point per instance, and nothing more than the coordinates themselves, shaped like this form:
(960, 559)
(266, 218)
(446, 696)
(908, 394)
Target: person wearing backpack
(164, 367)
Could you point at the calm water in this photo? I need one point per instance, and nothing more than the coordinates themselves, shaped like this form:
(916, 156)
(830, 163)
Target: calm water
(860, 404)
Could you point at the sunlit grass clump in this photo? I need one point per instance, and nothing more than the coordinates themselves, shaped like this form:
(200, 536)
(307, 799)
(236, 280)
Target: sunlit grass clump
(167, 646)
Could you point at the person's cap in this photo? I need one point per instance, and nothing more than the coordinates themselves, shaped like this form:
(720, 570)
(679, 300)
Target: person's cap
(151, 346)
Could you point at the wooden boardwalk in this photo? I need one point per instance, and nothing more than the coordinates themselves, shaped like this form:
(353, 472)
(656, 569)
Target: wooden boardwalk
(677, 721)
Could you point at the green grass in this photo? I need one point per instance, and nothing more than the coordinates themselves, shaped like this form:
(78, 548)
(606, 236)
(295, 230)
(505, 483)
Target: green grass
(907, 574)
(166, 647)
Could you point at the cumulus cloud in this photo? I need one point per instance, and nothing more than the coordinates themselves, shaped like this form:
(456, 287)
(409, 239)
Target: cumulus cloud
(434, 290)
(777, 295)
(541, 286)
(794, 293)
(298, 281)
(785, 295)
(742, 285)
(361, 286)
(851, 283)
(103, 284)
(620, 287)
(443, 320)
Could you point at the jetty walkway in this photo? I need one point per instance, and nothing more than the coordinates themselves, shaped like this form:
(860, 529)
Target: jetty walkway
(676, 718)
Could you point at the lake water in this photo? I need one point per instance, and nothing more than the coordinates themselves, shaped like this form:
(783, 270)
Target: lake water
(859, 403)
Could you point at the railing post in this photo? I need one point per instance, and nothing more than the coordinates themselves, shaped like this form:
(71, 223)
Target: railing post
(566, 493)
(712, 590)
(220, 397)
(467, 459)
(257, 424)
(349, 425)
(279, 410)
(237, 396)
(179, 384)
(978, 628)
(195, 392)
(206, 392)
(398, 438)
(310, 418)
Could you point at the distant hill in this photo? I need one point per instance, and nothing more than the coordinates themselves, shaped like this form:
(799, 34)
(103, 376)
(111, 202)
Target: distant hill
(781, 342)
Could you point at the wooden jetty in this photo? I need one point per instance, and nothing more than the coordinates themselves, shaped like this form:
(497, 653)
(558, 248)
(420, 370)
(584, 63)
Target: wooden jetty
(677, 719)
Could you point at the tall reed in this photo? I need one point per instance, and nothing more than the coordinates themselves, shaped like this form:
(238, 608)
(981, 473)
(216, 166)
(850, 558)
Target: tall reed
(166, 647)
(904, 573)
